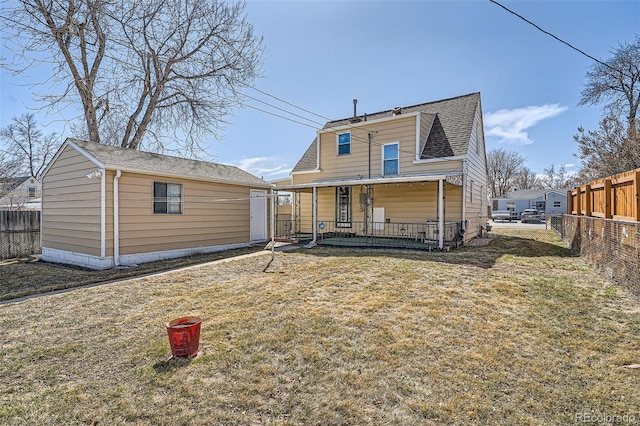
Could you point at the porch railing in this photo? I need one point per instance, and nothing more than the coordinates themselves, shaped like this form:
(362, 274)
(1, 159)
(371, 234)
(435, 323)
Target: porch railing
(379, 234)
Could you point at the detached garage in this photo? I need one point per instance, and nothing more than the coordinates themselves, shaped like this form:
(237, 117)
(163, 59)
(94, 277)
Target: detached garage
(104, 206)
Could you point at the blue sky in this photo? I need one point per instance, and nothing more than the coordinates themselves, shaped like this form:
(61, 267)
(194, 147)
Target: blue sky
(320, 55)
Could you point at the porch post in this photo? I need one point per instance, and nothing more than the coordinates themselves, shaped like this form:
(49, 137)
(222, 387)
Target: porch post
(440, 214)
(314, 213)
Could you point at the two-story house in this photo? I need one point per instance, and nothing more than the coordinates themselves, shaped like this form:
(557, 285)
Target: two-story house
(413, 176)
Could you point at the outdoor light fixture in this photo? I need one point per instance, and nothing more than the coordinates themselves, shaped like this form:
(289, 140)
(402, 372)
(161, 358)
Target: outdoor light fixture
(95, 174)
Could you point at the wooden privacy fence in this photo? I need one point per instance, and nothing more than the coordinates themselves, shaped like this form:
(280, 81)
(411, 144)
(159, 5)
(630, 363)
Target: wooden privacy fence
(615, 197)
(19, 233)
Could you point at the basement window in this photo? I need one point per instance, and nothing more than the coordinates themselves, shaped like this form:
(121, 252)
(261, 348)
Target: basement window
(167, 198)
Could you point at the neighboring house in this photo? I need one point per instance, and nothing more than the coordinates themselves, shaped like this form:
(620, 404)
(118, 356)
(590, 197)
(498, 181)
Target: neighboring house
(547, 201)
(20, 193)
(417, 173)
(104, 206)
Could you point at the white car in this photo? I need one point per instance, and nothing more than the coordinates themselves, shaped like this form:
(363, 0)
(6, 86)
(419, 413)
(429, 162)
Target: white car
(530, 216)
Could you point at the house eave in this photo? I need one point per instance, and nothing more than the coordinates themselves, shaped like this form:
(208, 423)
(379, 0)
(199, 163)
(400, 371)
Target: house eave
(372, 181)
(332, 129)
(439, 159)
(188, 177)
(304, 172)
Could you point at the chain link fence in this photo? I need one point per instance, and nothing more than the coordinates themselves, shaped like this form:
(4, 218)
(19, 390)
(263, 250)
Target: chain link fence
(612, 246)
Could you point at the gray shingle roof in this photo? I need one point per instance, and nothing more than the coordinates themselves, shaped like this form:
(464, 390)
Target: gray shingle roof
(528, 194)
(308, 159)
(450, 133)
(113, 157)
(11, 183)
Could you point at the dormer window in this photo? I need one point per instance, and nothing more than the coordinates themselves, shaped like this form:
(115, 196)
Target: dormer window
(344, 143)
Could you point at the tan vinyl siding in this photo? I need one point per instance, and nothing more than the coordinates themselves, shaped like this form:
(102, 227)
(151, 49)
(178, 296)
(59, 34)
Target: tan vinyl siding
(71, 205)
(357, 163)
(476, 210)
(417, 203)
(327, 204)
(213, 214)
(302, 178)
(305, 212)
(403, 203)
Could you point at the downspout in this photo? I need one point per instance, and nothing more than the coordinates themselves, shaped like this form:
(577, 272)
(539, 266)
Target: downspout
(464, 194)
(116, 219)
(440, 214)
(103, 213)
(273, 218)
(41, 210)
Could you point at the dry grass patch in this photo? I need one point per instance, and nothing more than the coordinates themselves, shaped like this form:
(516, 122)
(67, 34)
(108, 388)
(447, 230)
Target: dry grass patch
(516, 332)
(24, 277)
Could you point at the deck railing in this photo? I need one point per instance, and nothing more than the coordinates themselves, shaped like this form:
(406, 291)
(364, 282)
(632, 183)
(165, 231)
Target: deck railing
(380, 234)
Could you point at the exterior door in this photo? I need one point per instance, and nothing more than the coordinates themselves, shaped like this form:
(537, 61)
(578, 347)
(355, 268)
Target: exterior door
(258, 209)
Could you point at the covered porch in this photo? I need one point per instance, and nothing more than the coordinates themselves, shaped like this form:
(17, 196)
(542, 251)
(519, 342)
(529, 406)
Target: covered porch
(419, 212)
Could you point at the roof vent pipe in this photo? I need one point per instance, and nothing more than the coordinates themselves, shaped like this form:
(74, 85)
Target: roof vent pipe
(397, 111)
(355, 102)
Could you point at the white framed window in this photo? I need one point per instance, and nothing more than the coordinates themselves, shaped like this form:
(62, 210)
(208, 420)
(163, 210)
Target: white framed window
(391, 159)
(31, 191)
(343, 207)
(167, 198)
(343, 141)
(557, 204)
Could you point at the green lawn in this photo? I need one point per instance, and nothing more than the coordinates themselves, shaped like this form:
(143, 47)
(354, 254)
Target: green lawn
(517, 332)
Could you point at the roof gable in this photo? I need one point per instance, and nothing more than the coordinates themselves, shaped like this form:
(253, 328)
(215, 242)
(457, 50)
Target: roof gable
(112, 157)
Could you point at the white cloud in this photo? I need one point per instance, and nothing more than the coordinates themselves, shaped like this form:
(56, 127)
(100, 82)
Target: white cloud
(267, 168)
(510, 125)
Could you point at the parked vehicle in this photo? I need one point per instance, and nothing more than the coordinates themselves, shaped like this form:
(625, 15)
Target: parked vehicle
(504, 215)
(531, 216)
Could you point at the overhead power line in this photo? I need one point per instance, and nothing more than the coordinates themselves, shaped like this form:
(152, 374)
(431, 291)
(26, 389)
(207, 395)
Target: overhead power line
(556, 37)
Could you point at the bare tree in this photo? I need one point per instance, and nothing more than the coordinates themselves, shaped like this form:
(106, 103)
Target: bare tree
(554, 179)
(145, 71)
(27, 147)
(617, 82)
(503, 168)
(9, 165)
(526, 179)
(608, 150)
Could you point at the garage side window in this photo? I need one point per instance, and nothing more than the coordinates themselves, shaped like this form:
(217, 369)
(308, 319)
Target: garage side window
(167, 198)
